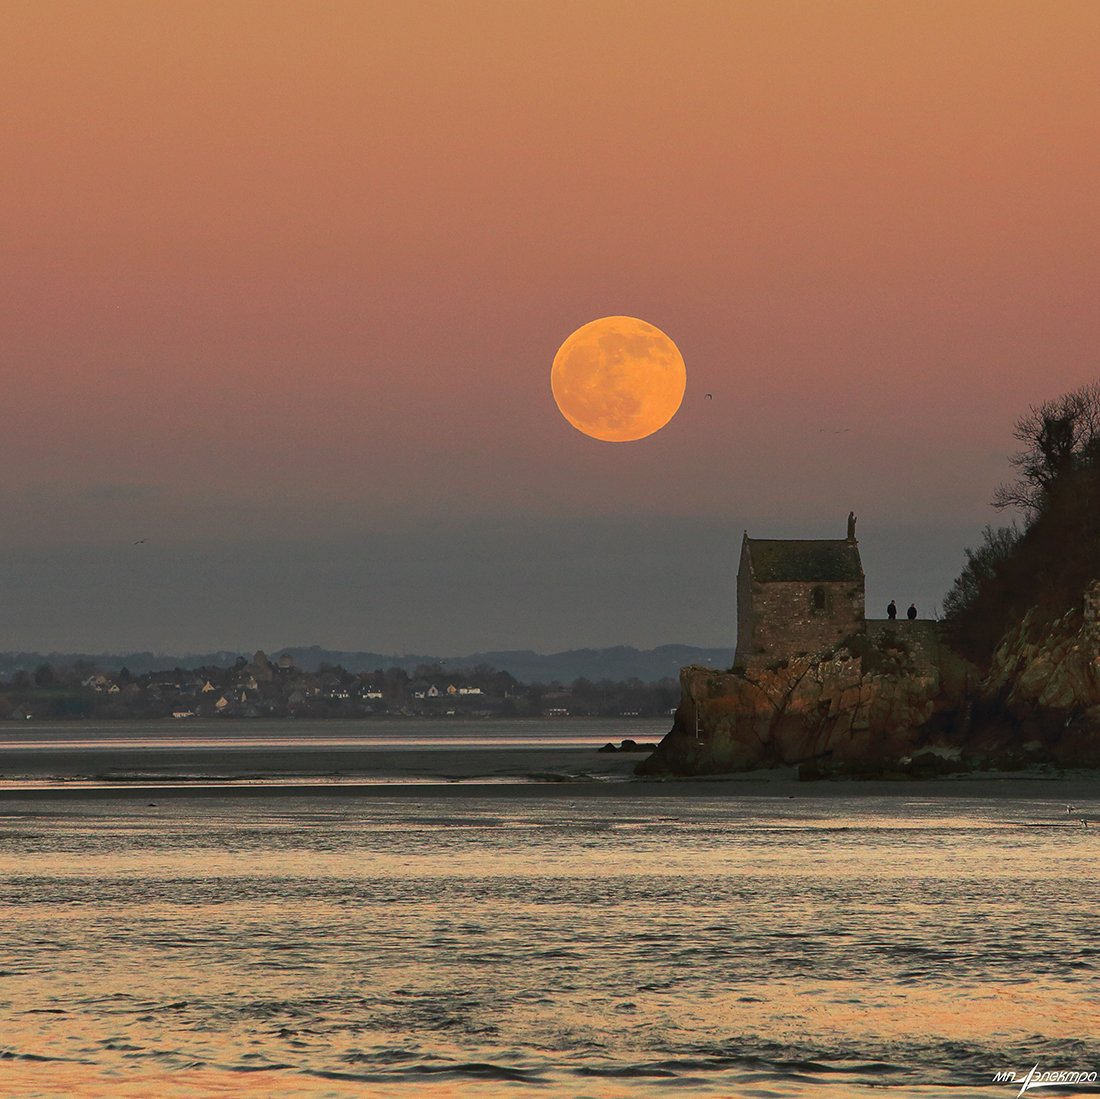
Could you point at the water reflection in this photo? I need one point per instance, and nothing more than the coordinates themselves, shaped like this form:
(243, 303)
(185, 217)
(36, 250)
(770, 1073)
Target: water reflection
(466, 946)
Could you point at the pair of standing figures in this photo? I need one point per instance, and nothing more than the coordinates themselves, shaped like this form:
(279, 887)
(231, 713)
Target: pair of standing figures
(892, 611)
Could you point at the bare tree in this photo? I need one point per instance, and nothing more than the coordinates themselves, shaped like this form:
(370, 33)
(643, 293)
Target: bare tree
(1058, 436)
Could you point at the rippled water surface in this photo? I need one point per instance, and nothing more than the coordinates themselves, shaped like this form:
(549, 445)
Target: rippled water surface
(630, 946)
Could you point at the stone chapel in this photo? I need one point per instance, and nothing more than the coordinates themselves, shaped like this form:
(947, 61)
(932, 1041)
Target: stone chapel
(797, 596)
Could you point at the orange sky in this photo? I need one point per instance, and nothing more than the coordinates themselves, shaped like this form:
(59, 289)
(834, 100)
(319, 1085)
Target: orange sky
(283, 266)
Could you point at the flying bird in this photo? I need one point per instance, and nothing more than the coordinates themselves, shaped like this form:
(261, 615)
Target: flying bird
(141, 541)
(708, 397)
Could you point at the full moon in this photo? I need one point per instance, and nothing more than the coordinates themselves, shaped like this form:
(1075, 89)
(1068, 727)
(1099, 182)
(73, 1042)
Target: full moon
(618, 379)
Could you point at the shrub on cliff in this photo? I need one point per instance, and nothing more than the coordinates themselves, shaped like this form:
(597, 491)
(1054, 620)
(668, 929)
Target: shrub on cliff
(977, 608)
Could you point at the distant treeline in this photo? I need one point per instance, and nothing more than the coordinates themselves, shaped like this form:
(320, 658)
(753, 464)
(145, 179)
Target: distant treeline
(261, 687)
(618, 663)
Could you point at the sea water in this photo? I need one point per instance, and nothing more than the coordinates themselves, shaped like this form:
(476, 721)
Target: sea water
(536, 943)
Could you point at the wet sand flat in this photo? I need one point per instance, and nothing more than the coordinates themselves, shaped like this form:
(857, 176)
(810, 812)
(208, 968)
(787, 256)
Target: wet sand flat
(550, 774)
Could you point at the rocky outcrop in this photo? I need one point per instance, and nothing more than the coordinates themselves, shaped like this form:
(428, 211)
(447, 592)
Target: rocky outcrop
(877, 696)
(1043, 686)
(894, 693)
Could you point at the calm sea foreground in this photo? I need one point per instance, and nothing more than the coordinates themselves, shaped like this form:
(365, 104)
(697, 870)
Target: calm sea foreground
(575, 938)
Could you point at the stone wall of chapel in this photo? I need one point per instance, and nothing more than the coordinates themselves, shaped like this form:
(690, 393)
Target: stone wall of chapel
(783, 620)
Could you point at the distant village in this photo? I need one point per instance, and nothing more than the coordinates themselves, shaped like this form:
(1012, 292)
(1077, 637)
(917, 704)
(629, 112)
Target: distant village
(264, 688)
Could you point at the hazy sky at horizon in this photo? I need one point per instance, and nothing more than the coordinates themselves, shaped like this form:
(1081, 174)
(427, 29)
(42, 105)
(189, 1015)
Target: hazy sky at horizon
(283, 283)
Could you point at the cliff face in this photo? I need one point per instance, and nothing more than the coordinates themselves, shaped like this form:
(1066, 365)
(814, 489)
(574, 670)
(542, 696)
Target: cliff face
(873, 698)
(886, 695)
(1043, 686)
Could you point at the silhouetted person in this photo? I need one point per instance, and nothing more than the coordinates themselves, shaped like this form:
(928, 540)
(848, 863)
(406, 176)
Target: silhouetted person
(911, 613)
(892, 610)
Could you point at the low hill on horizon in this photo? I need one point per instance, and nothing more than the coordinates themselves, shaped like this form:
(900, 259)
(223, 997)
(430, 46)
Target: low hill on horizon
(619, 662)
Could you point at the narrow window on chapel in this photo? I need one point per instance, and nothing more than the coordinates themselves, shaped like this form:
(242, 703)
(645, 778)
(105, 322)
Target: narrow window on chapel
(819, 599)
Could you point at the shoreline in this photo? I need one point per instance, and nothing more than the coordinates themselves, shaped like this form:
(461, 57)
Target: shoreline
(1077, 787)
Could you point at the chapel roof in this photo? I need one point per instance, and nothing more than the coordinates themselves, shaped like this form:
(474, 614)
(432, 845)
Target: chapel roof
(806, 560)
